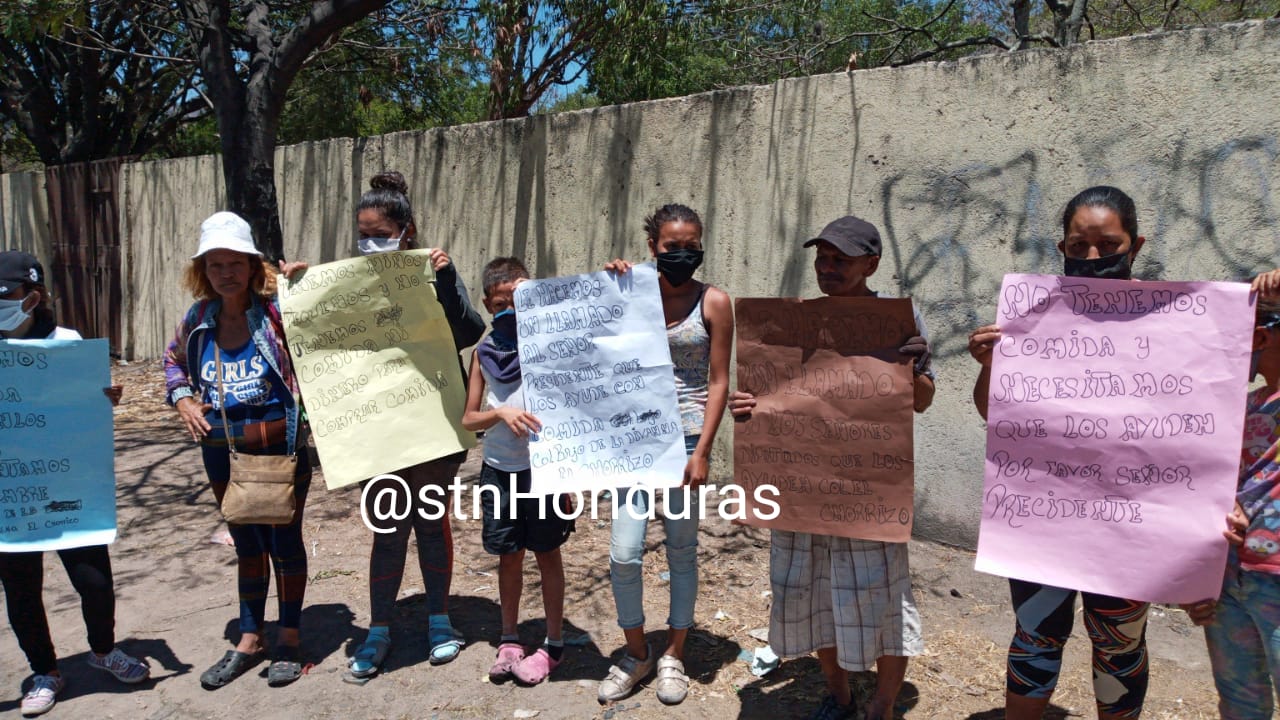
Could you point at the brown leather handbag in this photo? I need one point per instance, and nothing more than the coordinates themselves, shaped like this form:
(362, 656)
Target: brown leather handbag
(261, 488)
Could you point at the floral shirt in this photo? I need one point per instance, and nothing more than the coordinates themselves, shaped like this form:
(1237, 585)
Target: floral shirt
(1259, 489)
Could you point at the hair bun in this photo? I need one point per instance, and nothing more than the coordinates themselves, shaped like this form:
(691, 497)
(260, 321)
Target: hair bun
(389, 180)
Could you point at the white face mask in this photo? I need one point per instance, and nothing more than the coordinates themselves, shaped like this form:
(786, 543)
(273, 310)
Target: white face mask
(12, 315)
(373, 245)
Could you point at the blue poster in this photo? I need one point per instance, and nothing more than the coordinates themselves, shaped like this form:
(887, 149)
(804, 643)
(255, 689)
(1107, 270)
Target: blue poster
(57, 446)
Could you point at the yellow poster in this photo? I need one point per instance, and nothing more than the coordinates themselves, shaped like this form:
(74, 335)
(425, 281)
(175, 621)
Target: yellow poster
(376, 364)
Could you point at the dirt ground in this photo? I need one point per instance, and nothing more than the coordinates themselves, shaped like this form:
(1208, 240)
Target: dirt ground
(176, 605)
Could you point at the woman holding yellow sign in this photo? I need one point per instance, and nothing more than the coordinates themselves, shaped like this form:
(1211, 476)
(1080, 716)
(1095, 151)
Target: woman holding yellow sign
(385, 221)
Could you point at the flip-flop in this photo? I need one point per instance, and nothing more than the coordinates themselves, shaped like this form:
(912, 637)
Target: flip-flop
(285, 666)
(369, 656)
(446, 643)
(231, 666)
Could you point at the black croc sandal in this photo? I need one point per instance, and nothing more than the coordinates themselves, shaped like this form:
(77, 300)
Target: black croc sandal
(285, 666)
(231, 666)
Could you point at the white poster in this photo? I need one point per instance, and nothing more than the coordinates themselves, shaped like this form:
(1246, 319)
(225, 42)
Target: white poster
(597, 373)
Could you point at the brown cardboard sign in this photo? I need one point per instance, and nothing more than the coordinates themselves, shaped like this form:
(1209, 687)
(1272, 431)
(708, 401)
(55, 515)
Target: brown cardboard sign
(832, 427)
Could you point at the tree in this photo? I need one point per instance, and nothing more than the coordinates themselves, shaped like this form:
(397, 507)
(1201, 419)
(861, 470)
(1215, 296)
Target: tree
(706, 44)
(249, 52)
(85, 80)
(530, 47)
(378, 77)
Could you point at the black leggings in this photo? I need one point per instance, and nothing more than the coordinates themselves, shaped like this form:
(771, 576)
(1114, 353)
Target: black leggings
(23, 576)
(435, 544)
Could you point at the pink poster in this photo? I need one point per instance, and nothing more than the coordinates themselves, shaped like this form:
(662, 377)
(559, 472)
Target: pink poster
(1114, 426)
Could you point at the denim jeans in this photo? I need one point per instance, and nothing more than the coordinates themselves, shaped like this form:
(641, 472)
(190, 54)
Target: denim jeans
(626, 551)
(1244, 644)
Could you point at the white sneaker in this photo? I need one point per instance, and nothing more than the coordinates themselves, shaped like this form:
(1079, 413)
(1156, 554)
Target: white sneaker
(126, 668)
(624, 676)
(672, 683)
(43, 695)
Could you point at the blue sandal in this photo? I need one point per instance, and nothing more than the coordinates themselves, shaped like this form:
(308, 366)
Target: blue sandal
(369, 656)
(445, 643)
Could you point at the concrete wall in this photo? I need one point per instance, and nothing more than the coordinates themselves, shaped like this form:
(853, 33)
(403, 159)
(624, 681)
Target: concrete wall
(965, 167)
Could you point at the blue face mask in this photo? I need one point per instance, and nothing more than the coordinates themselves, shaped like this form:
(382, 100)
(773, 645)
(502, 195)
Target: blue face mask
(504, 327)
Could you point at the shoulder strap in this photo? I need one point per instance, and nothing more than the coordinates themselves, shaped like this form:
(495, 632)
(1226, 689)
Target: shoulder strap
(222, 398)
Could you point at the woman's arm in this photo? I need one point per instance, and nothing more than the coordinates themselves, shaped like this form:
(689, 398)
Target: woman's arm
(464, 322)
(981, 343)
(179, 391)
(177, 384)
(717, 311)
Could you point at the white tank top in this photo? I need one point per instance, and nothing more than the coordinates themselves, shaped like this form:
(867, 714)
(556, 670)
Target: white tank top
(502, 449)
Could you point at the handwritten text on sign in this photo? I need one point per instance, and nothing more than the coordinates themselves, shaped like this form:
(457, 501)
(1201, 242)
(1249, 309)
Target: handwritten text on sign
(1113, 434)
(376, 365)
(57, 450)
(597, 373)
(832, 424)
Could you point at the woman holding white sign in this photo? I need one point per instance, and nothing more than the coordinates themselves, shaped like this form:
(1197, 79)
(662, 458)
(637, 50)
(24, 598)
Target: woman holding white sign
(700, 332)
(229, 375)
(385, 221)
(1100, 240)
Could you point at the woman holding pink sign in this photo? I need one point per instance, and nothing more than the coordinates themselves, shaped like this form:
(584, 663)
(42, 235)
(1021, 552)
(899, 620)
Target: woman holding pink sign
(1100, 240)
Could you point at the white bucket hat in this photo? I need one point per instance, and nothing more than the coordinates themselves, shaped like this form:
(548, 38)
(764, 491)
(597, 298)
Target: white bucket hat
(226, 231)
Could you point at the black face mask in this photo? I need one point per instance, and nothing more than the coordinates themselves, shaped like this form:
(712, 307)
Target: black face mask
(1111, 267)
(678, 266)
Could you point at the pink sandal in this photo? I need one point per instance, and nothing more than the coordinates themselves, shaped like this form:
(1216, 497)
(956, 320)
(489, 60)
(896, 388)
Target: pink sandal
(535, 668)
(509, 654)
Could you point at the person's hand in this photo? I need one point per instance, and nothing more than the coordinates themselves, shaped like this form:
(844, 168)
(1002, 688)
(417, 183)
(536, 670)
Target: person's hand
(917, 347)
(618, 266)
(520, 421)
(1237, 525)
(982, 341)
(289, 269)
(192, 413)
(1267, 284)
(695, 472)
(113, 393)
(439, 259)
(1201, 613)
(741, 404)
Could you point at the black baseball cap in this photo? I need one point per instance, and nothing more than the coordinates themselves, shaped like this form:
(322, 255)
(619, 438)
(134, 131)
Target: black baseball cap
(16, 268)
(851, 236)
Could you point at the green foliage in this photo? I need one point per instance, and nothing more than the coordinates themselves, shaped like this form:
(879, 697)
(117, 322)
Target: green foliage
(27, 19)
(717, 43)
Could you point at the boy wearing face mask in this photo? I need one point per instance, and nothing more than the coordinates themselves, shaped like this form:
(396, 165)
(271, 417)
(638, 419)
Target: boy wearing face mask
(495, 383)
(26, 314)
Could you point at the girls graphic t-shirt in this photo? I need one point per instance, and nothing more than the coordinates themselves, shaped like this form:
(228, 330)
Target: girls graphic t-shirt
(253, 392)
(1259, 490)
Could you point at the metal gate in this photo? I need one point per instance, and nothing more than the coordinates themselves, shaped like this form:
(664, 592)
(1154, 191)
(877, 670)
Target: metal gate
(84, 230)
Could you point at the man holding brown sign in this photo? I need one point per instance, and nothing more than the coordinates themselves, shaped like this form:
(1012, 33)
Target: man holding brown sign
(849, 599)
